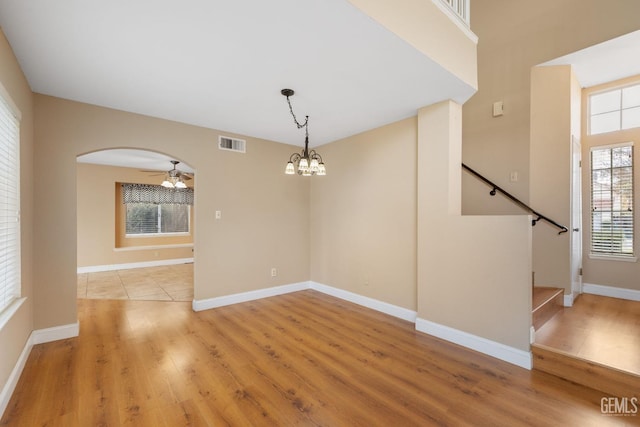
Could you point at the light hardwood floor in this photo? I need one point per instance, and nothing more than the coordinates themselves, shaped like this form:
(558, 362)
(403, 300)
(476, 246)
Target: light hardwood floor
(298, 359)
(163, 283)
(600, 329)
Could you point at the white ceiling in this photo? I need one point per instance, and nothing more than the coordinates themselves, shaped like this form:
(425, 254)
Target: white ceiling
(221, 64)
(608, 61)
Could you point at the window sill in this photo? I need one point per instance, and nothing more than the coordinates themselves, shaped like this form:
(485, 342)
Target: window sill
(153, 247)
(613, 258)
(8, 312)
(156, 235)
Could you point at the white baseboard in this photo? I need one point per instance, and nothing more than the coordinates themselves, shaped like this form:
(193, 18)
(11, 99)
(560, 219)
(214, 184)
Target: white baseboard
(39, 336)
(500, 351)
(205, 304)
(568, 300)
(491, 348)
(56, 333)
(112, 267)
(12, 381)
(611, 291)
(374, 304)
(532, 335)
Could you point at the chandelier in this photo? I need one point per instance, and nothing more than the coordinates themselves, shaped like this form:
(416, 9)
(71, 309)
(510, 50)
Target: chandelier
(307, 162)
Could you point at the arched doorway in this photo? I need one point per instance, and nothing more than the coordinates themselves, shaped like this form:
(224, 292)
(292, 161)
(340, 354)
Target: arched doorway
(134, 235)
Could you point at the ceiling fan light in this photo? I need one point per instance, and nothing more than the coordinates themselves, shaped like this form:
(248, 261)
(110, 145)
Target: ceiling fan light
(180, 184)
(167, 184)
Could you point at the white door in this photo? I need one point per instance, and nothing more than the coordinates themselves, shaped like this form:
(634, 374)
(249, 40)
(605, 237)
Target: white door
(576, 217)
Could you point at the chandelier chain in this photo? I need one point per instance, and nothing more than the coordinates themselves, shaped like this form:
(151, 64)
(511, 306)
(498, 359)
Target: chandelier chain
(305, 125)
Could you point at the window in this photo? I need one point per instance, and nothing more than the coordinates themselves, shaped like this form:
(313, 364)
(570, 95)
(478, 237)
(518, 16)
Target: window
(612, 200)
(154, 209)
(153, 219)
(9, 202)
(614, 110)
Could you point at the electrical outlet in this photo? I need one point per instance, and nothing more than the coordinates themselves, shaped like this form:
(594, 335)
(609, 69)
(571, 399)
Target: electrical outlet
(274, 272)
(218, 214)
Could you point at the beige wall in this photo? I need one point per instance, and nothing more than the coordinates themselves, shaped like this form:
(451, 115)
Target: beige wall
(550, 177)
(14, 334)
(363, 215)
(416, 21)
(473, 271)
(597, 271)
(101, 233)
(513, 37)
(386, 224)
(262, 208)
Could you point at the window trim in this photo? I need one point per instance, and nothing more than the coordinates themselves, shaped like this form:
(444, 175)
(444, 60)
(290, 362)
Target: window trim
(611, 256)
(620, 109)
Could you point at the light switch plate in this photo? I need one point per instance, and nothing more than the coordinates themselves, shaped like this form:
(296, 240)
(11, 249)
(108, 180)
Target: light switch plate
(498, 108)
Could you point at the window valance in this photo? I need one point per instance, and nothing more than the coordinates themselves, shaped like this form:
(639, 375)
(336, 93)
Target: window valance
(156, 194)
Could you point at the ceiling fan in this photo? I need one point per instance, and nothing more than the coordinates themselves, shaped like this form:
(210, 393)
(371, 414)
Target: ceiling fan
(174, 178)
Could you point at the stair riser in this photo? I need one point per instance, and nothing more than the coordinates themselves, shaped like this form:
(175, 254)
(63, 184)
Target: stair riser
(542, 314)
(610, 381)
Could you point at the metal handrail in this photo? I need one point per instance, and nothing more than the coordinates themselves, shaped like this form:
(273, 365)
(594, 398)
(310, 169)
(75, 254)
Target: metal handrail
(517, 201)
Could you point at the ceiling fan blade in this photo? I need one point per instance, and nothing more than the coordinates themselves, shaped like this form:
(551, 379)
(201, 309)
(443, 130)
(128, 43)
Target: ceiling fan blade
(185, 176)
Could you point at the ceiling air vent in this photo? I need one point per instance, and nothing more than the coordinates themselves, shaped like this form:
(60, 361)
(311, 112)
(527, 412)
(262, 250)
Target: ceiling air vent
(232, 144)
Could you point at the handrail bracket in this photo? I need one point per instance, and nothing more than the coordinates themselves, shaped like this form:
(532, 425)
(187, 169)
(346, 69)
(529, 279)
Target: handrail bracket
(495, 189)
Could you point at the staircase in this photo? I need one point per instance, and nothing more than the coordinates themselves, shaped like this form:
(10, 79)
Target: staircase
(614, 382)
(591, 374)
(546, 303)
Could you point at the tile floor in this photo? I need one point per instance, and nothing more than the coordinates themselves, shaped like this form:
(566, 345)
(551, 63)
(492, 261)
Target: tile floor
(165, 283)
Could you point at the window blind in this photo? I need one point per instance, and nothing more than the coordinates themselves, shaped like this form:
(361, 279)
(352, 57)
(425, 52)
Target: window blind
(9, 203)
(612, 200)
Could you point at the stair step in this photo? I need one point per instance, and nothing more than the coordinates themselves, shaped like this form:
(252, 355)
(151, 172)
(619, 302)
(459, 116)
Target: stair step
(606, 379)
(546, 303)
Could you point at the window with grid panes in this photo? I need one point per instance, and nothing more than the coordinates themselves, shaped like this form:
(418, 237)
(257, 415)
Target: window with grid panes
(614, 110)
(612, 200)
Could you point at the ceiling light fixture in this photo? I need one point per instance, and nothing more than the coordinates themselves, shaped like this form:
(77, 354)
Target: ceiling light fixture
(173, 178)
(308, 162)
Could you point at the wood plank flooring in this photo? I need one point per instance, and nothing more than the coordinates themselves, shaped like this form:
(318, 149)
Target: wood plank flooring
(303, 359)
(600, 329)
(162, 283)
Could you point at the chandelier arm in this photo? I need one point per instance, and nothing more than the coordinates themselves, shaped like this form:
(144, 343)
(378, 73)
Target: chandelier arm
(314, 155)
(295, 157)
